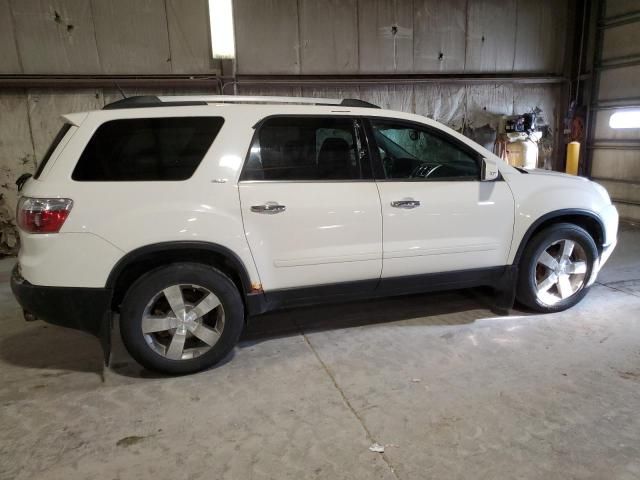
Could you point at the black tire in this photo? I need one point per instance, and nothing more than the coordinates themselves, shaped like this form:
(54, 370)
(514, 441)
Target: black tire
(526, 288)
(149, 285)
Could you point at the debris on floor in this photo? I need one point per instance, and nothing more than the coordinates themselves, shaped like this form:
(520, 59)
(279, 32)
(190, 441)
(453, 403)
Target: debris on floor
(131, 440)
(376, 447)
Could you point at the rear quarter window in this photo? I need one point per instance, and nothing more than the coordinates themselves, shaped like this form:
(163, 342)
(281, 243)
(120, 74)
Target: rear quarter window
(54, 144)
(147, 149)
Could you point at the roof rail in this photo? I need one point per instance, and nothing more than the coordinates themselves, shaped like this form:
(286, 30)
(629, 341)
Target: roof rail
(191, 100)
(354, 102)
(145, 101)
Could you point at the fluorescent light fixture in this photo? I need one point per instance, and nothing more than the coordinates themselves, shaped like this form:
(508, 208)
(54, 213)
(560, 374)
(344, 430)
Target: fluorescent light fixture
(625, 119)
(223, 44)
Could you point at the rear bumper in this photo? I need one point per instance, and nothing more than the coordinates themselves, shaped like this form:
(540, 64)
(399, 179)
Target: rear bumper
(87, 309)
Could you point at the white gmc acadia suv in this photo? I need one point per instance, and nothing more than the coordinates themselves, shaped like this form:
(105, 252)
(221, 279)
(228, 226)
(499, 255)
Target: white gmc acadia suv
(185, 215)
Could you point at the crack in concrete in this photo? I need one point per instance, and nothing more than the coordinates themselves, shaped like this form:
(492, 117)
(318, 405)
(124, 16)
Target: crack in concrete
(346, 401)
(608, 285)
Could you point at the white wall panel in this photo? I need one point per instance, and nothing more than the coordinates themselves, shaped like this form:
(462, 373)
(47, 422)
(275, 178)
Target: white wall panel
(439, 36)
(267, 36)
(9, 60)
(132, 37)
(329, 36)
(491, 36)
(55, 36)
(401, 36)
(385, 36)
(540, 35)
(189, 38)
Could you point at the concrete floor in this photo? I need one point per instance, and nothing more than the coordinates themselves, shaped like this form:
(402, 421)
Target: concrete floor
(449, 388)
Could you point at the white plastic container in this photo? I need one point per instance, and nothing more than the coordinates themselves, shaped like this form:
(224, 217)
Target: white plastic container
(530, 154)
(523, 153)
(515, 154)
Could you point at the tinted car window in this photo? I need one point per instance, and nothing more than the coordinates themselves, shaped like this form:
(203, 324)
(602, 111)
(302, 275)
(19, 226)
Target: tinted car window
(304, 148)
(147, 149)
(411, 152)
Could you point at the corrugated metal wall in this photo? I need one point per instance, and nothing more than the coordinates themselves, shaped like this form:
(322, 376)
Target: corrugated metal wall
(615, 153)
(400, 36)
(300, 37)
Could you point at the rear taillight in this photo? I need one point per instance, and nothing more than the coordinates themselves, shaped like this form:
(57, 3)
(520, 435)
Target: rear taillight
(43, 215)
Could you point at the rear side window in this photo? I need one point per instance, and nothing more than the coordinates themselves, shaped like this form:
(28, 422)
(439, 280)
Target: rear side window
(56, 141)
(305, 148)
(147, 149)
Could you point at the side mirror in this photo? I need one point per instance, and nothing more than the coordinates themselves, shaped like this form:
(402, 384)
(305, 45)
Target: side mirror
(489, 171)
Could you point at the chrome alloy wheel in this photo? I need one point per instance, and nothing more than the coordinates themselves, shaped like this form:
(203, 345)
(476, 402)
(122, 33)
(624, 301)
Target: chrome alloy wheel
(560, 271)
(183, 321)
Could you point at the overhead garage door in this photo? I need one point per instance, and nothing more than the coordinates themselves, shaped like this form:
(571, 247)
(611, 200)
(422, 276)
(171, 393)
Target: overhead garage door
(615, 151)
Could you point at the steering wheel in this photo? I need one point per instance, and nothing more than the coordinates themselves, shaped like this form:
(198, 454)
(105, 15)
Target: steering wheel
(424, 170)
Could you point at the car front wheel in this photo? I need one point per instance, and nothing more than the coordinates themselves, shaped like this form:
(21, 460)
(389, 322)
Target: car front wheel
(181, 318)
(556, 267)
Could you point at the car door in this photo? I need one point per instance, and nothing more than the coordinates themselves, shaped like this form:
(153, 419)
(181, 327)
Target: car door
(437, 214)
(310, 206)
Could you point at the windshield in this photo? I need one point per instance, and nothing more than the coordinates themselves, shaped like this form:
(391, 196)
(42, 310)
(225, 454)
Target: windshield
(390, 147)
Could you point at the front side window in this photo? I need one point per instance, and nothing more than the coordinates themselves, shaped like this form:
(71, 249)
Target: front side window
(305, 148)
(147, 149)
(415, 153)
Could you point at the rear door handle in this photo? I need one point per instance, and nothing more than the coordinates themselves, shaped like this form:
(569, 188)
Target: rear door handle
(408, 203)
(269, 208)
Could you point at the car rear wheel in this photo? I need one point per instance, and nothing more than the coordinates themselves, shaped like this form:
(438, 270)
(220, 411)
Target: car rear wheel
(556, 267)
(181, 318)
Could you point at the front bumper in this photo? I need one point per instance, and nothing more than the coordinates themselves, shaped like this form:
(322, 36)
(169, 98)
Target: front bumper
(607, 250)
(87, 309)
(605, 253)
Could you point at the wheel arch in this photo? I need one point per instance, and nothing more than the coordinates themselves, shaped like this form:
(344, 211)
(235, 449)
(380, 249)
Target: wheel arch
(144, 259)
(586, 219)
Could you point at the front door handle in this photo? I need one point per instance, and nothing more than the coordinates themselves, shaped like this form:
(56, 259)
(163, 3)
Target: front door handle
(408, 203)
(269, 208)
